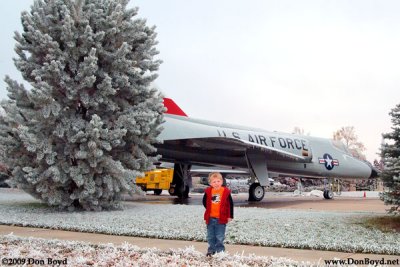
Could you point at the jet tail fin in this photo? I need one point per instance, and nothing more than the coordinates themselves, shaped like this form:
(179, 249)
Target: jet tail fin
(173, 108)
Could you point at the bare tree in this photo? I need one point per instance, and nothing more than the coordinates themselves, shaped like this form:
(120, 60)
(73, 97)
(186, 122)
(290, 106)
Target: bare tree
(348, 136)
(300, 131)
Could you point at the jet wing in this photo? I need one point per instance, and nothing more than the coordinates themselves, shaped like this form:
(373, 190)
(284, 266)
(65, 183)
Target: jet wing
(273, 152)
(226, 145)
(203, 142)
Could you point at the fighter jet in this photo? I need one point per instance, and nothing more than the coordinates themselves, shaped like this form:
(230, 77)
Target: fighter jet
(186, 141)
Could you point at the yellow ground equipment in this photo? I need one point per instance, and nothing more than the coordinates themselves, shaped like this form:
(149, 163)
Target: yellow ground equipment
(157, 180)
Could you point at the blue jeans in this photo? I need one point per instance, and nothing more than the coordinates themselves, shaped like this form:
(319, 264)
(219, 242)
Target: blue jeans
(215, 236)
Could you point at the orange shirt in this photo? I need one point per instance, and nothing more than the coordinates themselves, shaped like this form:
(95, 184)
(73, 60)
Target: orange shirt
(216, 196)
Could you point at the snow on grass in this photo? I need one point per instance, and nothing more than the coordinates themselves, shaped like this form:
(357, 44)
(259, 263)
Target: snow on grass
(84, 254)
(254, 226)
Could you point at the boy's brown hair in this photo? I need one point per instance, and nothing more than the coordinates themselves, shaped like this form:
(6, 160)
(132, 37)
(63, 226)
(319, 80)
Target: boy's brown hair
(215, 175)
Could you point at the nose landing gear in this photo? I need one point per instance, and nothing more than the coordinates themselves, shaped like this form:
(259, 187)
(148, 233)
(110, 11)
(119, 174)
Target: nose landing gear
(334, 185)
(328, 194)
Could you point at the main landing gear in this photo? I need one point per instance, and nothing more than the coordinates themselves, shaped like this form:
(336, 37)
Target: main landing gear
(181, 181)
(256, 192)
(257, 165)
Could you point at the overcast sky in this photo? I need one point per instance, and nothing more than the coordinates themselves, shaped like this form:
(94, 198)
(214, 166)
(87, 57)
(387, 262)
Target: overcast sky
(318, 65)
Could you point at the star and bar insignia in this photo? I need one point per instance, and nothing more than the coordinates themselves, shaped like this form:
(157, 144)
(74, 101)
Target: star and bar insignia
(328, 161)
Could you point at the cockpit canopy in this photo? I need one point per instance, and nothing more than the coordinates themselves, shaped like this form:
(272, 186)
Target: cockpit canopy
(339, 145)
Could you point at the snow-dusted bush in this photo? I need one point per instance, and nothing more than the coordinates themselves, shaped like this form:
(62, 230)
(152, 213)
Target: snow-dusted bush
(84, 254)
(84, 131)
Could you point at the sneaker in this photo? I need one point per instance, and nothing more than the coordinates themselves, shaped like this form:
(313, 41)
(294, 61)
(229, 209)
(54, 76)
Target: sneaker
(209, 254)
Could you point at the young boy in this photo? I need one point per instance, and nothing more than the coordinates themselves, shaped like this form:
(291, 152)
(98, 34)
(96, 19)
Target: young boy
(219, 211)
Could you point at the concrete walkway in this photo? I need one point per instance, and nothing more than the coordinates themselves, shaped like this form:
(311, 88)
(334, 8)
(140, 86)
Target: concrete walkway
(313, 256)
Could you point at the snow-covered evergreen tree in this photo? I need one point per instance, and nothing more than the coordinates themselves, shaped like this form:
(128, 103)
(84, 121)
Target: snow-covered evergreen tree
(390, 153)
(84, 131)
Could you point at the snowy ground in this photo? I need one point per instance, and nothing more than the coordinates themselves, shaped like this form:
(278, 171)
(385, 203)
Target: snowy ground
(281, 228)
(83, 254)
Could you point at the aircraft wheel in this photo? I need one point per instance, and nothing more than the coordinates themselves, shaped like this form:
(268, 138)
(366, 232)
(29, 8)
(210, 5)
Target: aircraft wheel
(256, 192)
(186, 192)
(157, 192)
(183, 192)
(171, 191)
(328, 194)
